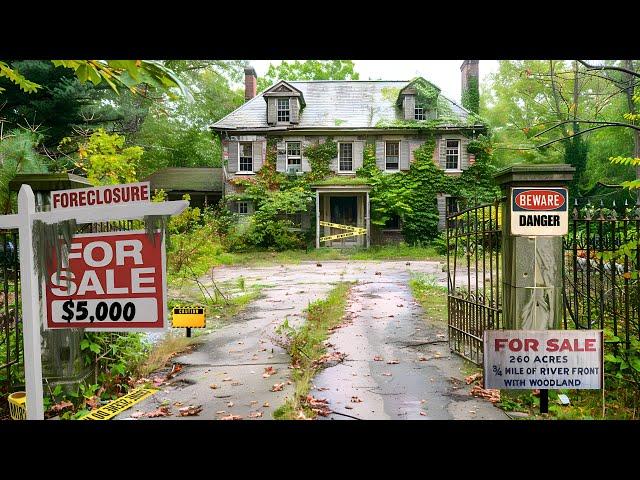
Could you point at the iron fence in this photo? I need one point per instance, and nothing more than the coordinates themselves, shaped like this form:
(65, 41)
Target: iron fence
(601, 265)
(474, 285)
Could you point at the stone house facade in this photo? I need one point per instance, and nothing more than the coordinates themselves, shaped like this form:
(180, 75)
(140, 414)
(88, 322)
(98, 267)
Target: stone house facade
(352, 113)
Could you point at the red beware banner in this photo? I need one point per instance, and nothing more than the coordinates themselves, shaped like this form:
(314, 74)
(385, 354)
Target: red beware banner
(113, 281)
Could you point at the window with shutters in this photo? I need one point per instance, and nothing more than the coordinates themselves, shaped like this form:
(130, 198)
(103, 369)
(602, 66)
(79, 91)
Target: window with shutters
(345, 157)
(392, 155)
(294, 158)
(453, 155)
(419, 113)
(283, 109)
(245, 163)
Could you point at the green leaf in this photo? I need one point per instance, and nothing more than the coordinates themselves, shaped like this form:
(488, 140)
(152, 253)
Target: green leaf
(95, 348)
(84, 344)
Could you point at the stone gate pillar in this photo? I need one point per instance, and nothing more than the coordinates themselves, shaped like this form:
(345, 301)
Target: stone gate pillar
(531, 265)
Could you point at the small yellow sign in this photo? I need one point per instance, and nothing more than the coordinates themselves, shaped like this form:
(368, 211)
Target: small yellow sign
(188, 317)
(121, 404)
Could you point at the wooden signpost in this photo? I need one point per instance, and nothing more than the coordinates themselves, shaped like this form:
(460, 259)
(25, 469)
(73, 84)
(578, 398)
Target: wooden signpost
(87, 205)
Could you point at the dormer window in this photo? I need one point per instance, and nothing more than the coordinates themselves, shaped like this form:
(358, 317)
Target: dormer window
(419, 113)
(283, 110)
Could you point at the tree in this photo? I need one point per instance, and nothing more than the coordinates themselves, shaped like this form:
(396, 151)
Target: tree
(106, 161)
(309, 70)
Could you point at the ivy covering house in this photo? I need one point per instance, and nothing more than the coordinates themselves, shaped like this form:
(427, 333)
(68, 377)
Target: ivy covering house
(351, 163)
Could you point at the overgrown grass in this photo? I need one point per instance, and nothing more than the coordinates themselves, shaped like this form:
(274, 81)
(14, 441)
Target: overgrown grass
(431, 296)
(305, 346)
(170, 345)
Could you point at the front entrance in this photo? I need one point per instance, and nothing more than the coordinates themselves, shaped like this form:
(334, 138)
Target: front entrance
(344, 210)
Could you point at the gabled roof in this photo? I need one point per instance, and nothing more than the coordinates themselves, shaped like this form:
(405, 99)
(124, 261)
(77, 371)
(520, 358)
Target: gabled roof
(410, 89)
(334, 104)
(282, 88)
(187, 179)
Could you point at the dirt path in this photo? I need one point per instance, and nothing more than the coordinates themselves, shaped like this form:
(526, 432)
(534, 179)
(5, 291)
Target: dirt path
(234, 358)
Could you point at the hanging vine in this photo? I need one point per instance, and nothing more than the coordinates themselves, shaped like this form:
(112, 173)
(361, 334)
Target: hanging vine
(49, 250)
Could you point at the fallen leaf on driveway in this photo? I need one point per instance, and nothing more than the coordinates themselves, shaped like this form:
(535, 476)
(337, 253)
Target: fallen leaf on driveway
(253, 402)
(220, 412)
(378, 358)
(255, 415)
(386, 374)
(348, 407)
(393, 362)
(355, 399)
(213, 386)
(190, 411)
(266, 404)
(232, 417)
(277, 387)
(400, 305)
(228, 379)
(177, 404)
(378, 273)
(268, 372)
(230, 404)
(235, 384)
(160, 412)
(472, 378)
(318, 405)
(424, 414)
(423, 359)
(137, 414)
(493, 395)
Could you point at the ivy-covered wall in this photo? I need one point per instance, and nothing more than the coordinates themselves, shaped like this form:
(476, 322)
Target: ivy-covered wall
(412, 194)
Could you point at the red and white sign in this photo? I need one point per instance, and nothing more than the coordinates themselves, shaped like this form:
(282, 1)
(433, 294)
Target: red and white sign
(547, 359)
(113, 281)
(99, 196)
(542, 211)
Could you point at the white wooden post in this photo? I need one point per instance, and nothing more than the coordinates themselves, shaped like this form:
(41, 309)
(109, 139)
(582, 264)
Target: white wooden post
(30, 307)
(368, 219)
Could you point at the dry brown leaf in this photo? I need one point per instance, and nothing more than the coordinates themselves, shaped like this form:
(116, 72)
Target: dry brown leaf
(255, 415)
(228, 379)
(189, 411)
(160, 412)
(268, 371)
(393, 362)
(472, 378)
(493, 395)
(277, 387)
(220, 412)
(137, 414)
(253, 402)
(230, 404)
(235, 384)
(423, 359)
(266, 404)
(386, 374)
(355, 399)
(213, 386)
(61, 406)
(232, 417)
(424, 414)
(378, 358)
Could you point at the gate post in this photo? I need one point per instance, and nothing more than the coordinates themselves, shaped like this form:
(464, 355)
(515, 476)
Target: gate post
(531, 265)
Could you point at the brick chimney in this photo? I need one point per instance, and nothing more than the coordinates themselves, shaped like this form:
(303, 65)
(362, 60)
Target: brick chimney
(470, 70)
(250, 83)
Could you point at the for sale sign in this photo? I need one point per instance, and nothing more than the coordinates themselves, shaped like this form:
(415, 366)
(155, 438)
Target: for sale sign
(539, 211)
(113, 281)
(543, 359)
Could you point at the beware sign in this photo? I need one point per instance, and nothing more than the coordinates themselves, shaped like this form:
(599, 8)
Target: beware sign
(113, 281)
(539, 211)
(98, 196)
(543, 359)
(188, 317)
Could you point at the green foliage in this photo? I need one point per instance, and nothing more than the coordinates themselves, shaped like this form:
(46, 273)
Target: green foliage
(427, 94)
(308, 70)
(17, 155)
(106, 161)
(471, 96)
(320, 156)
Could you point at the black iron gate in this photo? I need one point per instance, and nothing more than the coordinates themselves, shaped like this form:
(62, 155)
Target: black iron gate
(474, 283)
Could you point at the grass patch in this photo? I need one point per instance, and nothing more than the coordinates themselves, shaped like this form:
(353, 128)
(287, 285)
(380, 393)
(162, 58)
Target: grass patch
(305, 346)
(431, 296)
(172, 344)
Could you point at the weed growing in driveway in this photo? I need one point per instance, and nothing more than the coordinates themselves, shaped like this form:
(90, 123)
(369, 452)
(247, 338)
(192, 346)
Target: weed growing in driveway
(430, 295)
(305, 346)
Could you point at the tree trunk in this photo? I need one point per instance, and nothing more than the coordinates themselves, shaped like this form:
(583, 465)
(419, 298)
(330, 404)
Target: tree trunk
(628, 64)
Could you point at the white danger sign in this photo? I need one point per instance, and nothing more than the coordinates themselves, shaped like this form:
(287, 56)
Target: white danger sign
(539, 211)
(547, 359)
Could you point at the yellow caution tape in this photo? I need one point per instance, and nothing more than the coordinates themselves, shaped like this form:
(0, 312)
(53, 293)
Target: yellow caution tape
(121, 404)
(342, 227)
(341, 235)
(188, 317)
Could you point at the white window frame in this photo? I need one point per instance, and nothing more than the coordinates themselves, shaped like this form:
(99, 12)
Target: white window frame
(446, 154)
(423, 114)
(288, 109)
(245, 172)
(246, 207)
(385, 156)
(295, 157)
(339, 159)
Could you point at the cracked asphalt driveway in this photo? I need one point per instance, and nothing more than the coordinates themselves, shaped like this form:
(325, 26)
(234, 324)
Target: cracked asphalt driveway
(386, 325)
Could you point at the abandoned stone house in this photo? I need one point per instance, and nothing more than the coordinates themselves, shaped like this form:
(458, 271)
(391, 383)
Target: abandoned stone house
(353, 113)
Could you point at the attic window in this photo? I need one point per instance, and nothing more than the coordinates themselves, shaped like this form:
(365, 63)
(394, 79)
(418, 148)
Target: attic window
(419, 113)
(283, 109)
